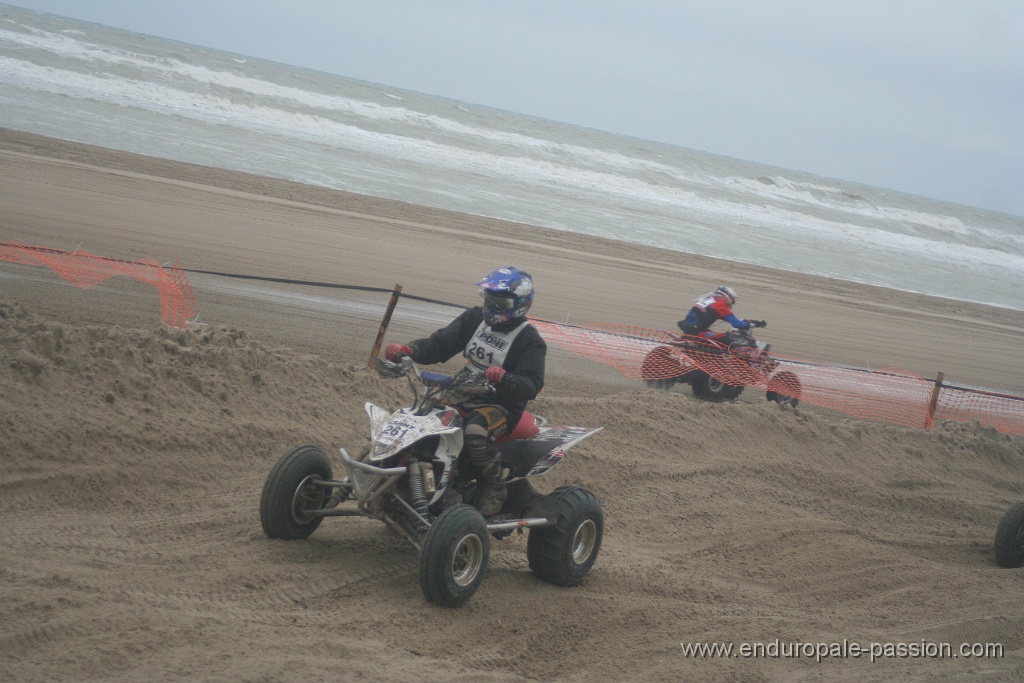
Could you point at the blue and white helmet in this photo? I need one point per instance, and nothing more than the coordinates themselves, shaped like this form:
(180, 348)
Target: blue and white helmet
(507, 294)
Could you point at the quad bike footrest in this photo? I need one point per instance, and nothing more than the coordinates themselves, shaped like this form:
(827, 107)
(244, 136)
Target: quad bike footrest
(514, 524)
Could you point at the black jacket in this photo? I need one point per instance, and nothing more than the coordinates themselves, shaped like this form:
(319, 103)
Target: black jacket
(524, 364)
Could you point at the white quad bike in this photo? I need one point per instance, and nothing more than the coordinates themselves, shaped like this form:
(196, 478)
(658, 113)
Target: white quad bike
(410, 477)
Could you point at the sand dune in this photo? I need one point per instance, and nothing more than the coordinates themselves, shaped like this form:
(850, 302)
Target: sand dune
(132, 457)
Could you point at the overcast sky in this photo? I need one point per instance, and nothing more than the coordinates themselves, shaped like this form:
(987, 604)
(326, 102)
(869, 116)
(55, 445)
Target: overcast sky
(921, 96)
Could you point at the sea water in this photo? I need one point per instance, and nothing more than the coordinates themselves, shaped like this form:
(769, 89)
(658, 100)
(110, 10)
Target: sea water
(127, 91)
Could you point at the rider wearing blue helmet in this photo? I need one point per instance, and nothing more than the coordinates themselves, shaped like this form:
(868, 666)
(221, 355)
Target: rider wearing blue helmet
(499, 343)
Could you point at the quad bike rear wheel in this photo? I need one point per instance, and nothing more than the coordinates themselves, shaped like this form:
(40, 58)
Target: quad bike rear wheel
(289, 493)
(658, 368)
(454, 556)
(564, 553)
(784, 389)
(1009, 540)
(707, 388)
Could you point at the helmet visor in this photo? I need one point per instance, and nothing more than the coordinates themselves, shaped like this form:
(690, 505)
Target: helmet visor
(498, 304)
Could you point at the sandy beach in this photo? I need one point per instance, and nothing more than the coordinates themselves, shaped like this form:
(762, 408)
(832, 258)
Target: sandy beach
(132, 455)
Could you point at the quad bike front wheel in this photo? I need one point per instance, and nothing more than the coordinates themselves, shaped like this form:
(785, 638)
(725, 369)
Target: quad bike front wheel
(564, 553)
(454, 556)
(707, 388)
(784, 389)
(1009, 540)
(290, 493)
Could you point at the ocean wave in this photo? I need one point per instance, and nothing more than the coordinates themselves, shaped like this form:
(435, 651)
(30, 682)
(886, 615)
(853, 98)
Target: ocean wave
(331, 131)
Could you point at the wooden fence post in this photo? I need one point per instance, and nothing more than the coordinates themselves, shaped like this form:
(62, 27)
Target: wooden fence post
(384, 324)
(934, 400)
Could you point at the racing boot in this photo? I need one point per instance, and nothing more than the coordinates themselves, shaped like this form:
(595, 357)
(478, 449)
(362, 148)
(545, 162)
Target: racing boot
(492, 491)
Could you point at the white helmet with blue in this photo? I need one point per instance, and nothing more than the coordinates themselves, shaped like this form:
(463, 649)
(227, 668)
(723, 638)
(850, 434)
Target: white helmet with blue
(507, 294)
(729, 293)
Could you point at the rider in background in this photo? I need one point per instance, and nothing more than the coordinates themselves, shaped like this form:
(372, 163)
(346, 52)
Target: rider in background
(716, 305)
(500, 344)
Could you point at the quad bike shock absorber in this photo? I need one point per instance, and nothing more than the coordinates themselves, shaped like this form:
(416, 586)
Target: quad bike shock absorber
(418, 495)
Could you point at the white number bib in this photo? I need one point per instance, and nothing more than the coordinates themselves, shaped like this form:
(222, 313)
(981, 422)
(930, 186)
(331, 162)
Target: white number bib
(705, 302)
(489, 347)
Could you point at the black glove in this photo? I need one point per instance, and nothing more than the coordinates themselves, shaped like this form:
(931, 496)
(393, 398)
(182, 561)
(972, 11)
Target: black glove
(758, 323)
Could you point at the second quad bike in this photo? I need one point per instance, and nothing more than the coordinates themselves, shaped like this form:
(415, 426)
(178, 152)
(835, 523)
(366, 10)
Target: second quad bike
(718, 367)
(1009, 541)
(410, 476)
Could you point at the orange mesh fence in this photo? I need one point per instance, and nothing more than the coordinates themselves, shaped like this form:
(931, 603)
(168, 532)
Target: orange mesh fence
(85, 270)
(896, 396)
(653, 356)
(1000, 411)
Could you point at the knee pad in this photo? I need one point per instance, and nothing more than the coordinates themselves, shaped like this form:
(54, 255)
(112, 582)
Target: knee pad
(475, 430)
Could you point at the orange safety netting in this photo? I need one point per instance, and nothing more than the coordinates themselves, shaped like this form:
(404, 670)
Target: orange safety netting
(661, 359)
(85, 270)
(1000, 411)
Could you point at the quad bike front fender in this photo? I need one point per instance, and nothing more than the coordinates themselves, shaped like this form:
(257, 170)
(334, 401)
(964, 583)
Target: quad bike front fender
(391, 433)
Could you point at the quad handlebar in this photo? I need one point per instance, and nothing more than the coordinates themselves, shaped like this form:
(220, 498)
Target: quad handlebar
(434, 388)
